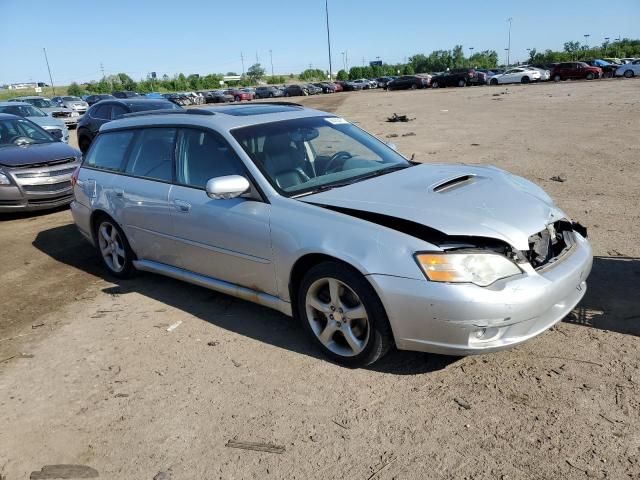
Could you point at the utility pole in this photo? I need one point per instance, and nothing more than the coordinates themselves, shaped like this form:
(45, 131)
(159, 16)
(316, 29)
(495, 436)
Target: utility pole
(271, 58)
(326, 8)
(510, 19)
(242, 60)
(102, 69)
(344, 64)
(48, 68)
(606, 45)
(470, 55)
(363, 61)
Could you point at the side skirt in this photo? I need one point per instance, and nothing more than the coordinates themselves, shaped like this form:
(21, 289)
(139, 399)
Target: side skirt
(221, 286)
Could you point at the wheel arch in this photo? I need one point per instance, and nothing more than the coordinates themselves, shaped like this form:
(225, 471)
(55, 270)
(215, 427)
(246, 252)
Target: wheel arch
(96, 215)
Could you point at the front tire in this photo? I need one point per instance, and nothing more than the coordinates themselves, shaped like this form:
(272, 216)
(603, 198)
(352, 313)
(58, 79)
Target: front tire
(525, 80)
(113, 248)
(343, 314)
(493, 81)
(462, 83)
(557, 78)
(628, 73)
(590, 76)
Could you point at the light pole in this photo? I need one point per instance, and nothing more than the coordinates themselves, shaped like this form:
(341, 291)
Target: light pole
(586, 40)
(606, 45)
(271, 58)
(617, 45)
(344, 65)
(50, 76)
(507, 50)
(326, 8)
(510, 19)
(470, 54)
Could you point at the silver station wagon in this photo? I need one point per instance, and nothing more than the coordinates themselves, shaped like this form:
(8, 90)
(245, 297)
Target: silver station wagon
(306, 213)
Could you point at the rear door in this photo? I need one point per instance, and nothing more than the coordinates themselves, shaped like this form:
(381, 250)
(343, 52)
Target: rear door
(141, 195)
(225, 239)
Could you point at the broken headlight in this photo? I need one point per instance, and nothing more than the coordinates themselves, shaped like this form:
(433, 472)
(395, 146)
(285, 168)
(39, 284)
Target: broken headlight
(481, 269)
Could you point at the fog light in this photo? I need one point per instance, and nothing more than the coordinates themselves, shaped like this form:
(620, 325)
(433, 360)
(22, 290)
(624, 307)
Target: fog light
(480, 332)
(485, 333)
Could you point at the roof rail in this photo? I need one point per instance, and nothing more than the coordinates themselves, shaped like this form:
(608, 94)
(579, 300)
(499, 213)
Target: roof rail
(286, 104)
(190, 111)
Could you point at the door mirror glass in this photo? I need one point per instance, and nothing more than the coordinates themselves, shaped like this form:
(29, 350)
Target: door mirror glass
(229, 186)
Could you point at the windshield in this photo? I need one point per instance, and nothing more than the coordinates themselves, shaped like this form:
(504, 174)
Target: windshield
(23, 111)
(305, 155)
(71, 99)
(22, 132)
(41, 103)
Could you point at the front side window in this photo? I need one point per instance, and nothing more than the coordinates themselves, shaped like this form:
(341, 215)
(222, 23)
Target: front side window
(310, 154)
(108, 151)
(204, 155)
(23, 111)
(152, 154)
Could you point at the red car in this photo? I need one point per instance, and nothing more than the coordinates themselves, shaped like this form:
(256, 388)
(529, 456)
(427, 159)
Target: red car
(338, 87)
(239, 95)
(574, 71)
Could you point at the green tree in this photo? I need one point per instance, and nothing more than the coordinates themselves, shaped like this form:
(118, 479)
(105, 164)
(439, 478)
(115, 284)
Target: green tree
(342, 75)
(74, 89)
(255, 72)
(408, 69)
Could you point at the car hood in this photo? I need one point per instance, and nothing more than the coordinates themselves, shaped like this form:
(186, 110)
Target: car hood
(48, 122)
(14, 156)
(49, 110)
(457, 200)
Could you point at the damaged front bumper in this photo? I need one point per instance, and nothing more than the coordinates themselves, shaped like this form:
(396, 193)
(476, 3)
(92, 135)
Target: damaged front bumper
(465, 319)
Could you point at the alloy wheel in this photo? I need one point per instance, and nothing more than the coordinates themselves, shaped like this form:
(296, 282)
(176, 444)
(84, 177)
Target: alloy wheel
(337, 317)
(111, 247)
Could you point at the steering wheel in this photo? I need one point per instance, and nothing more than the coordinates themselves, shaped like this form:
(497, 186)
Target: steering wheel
(336, 156)
(20, 140)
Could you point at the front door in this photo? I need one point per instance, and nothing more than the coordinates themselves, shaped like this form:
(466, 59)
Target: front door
(225, 239)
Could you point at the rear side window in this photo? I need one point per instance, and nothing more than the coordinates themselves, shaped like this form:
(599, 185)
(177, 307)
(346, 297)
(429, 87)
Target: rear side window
(118, 110)
(102, 112)
(152, 154)
(108, 151)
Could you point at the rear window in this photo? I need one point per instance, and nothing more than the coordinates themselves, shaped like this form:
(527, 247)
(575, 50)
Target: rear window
(108, 151)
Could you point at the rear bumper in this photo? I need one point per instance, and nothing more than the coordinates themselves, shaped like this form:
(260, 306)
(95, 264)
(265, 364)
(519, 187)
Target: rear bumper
(465, 319)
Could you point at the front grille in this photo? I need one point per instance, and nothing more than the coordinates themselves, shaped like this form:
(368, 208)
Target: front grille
(550, 244)
(50, 187)
(51, 173)
(47, 200)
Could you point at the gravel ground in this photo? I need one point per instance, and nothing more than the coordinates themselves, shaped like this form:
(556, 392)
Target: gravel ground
(90, 375)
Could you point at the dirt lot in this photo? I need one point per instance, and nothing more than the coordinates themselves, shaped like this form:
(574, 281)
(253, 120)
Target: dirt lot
(98, 380)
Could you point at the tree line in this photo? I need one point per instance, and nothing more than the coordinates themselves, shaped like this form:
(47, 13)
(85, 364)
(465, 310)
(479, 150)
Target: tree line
(436, 61)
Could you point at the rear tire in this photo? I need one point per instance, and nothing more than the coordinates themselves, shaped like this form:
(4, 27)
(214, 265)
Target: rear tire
(435, 85)
(590, 76)
(525, 80)
(557, 78)
(628, 73)
(113, 247)
(84, 143)
(343, 314)
(462, 83)
(413, 86)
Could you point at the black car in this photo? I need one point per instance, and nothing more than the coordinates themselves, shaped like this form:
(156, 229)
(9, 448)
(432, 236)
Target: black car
(455, 78)
(326, 87)
(91, 99)
(216, 96)
(608, 69)
(125, 94)
(409, 81)
(296, 91)
(383, 81)
(107, 110)
(268, 92)
(350, 86)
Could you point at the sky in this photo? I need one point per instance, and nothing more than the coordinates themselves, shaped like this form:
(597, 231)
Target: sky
(209, 36)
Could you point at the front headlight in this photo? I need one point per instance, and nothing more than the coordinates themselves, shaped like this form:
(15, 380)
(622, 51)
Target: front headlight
(4, 180)
(481, 269)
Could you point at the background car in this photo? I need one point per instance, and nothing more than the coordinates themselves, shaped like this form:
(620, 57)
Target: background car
(349, 86)
(268, 91)
(326, 87)
(454, 78)
(516, 75)
(177, 99)
(608, 69)
(68, 116)
(125, 94)
(409, 82)
(73, 103)
(91, 99)
(54, 126)
(338, 87)
(366, 85)
(575, 71)
(628, 70)
(35, 168)
(296, 90)
(382, 81)
(217, 96)
(239, 94)
(107, 110)
(313, 89)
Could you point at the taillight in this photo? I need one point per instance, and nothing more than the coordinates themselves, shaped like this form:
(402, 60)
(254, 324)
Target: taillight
(74, 176)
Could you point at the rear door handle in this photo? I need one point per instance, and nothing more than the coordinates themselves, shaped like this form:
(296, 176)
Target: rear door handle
(182, 206)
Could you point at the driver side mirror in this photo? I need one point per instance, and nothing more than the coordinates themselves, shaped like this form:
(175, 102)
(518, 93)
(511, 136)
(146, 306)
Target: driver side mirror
(227, 187)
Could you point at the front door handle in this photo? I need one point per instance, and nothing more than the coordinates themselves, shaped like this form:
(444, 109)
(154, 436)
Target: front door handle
(182, 206)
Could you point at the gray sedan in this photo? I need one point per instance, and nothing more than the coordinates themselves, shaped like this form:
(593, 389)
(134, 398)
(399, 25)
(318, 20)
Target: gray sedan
(56, 127)
(75, 104)
(68, 116)
(306, 213)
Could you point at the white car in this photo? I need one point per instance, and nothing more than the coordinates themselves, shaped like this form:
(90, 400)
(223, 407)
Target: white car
(516, 75)
(629, 70)
(544, 73)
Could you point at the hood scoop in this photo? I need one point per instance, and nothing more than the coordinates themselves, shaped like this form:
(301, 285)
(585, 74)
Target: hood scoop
(453, 183)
